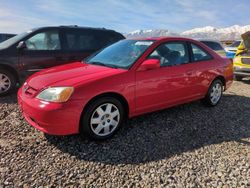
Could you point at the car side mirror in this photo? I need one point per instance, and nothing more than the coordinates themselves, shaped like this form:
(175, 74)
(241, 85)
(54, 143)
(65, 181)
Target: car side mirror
(149, 64)
(21, 45)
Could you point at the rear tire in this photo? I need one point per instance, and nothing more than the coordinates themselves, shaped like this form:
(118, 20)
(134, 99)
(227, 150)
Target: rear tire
(238, 78)
(102, 118)
(7, 82)
(214, 93)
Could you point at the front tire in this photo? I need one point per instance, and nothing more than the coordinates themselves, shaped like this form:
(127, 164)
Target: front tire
(7, 82)
(102, 118)
(214, 93)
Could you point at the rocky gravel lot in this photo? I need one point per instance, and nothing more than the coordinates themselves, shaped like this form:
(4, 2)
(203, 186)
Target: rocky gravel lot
(185, 146)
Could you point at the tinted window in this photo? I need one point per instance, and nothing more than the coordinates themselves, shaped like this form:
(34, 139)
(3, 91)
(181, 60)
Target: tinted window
(169, 54)
(48, 40)
(199, 54)
(80, 40)
(213, 45)
(106, 38)
(89, 40)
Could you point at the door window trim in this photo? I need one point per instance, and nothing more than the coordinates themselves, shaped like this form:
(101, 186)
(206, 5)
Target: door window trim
(185, 43)
(192, 54)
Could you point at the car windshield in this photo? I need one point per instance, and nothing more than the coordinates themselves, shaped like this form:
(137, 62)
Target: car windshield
(122, 54)
(235, 44)
(12, 40)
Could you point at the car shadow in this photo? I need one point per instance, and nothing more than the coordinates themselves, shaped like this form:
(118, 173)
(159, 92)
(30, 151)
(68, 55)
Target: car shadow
(9, 99)
(166, 133)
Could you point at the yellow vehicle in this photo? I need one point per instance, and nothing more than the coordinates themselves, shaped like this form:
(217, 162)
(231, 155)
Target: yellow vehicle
(242, 58)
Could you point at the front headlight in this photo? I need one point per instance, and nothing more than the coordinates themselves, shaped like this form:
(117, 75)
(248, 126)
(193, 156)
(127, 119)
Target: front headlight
(56, 94)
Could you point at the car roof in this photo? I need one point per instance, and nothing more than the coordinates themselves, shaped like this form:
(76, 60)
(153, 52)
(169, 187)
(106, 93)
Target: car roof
(73, 27)
(7, 34)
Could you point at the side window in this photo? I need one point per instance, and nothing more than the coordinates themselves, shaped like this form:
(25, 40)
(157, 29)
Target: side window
(199, 54)
(106, 38)
(170, 54)
(81, 40)
(103, 38)
(88, 42)
(71, 41)
(48, 40)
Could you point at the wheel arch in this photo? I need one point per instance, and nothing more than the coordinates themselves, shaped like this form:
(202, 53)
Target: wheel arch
(10, 69)
(118, 96)
(222, 79)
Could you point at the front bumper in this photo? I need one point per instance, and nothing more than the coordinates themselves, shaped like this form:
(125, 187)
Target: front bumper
(51, 118)
(241, 71)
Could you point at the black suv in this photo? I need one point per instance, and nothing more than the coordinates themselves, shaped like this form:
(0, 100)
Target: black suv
(5, 36)
(40, 48)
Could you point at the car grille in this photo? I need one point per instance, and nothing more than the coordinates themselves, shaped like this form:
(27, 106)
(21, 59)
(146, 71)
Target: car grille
(245, 61)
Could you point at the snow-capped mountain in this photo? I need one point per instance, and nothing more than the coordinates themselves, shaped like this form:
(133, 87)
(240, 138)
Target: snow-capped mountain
(227, 33)
(150, 33)
(208, 32)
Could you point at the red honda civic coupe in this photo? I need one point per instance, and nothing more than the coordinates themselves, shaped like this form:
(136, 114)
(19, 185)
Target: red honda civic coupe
(126, 79)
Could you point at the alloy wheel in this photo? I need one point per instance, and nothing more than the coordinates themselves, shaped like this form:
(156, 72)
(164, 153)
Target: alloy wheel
(216, 93)
(105, 119)
(5, 83)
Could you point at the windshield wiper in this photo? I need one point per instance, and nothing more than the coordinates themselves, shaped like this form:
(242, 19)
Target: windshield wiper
(102, 64)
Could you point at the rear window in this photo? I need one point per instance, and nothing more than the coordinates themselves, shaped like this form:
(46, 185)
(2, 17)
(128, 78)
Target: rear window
(213, 45)
(107, 38)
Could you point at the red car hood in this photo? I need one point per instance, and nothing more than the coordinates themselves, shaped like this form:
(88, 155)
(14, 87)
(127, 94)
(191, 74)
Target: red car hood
(70, 75)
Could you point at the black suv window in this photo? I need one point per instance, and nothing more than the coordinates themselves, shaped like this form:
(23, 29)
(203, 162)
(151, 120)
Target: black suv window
(172, 53)
(106, 38)
(199, 54)
(80, 40)
(89, 40)
(47, 40)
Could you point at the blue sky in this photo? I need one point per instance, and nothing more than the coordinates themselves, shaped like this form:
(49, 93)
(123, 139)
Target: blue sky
(124, 16)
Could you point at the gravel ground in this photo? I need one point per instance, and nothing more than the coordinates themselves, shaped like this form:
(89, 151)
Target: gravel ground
(185, 146)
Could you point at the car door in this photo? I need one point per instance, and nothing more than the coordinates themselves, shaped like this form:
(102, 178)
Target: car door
(43, 50)
(168, 85)
(203, 66)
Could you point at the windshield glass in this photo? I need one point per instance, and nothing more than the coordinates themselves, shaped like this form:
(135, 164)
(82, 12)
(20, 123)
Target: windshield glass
(235, 44)
(121, 54)
(12, 40)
